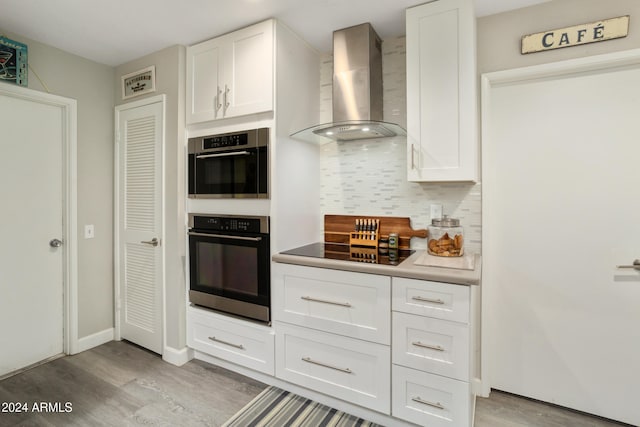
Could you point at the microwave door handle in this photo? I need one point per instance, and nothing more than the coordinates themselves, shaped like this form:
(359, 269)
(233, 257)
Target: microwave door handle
(225, 236)
(235, 153)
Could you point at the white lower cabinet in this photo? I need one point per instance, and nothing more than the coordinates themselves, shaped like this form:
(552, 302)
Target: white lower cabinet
(238, 341)
(431, 349)
(432, 299)
(430, 400)
(356, 305)
(398, 349)
(433, 345)
(346, 368)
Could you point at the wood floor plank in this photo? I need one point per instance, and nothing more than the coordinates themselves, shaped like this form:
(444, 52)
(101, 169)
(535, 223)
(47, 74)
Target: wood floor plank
(120, 384)
(508, 410)
(115, 370)
(93, 401)
(197, 394)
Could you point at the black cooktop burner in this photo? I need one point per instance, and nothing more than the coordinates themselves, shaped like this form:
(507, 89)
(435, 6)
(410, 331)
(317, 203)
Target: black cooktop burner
(351, 253)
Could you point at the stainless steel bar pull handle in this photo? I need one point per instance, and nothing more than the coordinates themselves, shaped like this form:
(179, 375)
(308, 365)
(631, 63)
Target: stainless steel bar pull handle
(326, 365)
(234, 153)
(429, 346)
(226, 236)
(240, 346)
(226, 97)
(426, 402)
(635, 265)
(412, 159)
(423, 299)
(218, 103)
(152, 242)
(323, 301)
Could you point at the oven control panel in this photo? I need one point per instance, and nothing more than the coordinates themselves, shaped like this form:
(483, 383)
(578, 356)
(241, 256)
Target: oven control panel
(227, 140)
(229, 223)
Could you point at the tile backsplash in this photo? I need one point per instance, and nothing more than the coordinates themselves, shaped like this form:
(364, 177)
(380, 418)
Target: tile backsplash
(369, 177)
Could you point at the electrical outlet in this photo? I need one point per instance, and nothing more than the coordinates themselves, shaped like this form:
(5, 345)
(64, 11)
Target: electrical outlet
(435, 211)
(89, 231)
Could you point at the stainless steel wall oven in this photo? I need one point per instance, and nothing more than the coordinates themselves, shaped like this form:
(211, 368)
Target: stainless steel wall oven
(229, 264)
(230, 165)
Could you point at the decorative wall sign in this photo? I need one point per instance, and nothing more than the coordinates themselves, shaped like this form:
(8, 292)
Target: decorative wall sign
(13, 62)
(139, 82)
(577, 35)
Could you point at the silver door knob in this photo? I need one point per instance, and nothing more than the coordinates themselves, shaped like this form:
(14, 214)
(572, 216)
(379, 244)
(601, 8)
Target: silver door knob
(635, 265)
(55, 243)
(152, 242)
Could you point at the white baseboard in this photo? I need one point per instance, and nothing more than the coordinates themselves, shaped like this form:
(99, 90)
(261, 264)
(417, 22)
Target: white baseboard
(480, 388)
(94, 340)
(177, 357)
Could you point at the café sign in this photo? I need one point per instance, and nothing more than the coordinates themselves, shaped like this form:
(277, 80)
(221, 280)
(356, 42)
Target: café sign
(577, 35)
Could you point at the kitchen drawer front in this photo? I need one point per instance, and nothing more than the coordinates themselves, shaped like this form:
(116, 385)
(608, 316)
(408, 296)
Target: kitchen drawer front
(356, 305)
(348, 369)
(433, 345)
(237, 341)
(433, 299)
(430, 400)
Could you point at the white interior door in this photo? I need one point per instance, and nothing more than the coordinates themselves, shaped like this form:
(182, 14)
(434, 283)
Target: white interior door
(32, 136)
(561, 157)
(139, 239)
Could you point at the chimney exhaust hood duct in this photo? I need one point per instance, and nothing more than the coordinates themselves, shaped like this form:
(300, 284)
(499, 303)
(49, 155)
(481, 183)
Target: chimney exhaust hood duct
(357, 90)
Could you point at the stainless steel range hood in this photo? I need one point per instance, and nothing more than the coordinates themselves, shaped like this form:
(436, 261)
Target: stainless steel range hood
(357, 90)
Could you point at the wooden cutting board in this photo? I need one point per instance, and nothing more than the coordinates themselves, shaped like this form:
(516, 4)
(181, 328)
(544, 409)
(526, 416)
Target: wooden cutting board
(338, 227)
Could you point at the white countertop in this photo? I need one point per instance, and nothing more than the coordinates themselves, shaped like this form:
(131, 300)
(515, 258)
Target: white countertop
(406, 269)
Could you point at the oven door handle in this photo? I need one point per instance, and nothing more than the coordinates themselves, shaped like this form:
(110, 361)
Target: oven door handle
(234, 153)
(226, 236)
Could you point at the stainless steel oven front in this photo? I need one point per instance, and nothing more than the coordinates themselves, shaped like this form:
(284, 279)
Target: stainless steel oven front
(229, 264)
(230, 165)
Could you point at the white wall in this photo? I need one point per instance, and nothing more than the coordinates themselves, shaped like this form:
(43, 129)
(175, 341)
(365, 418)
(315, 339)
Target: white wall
(91, 84)
(499, 35)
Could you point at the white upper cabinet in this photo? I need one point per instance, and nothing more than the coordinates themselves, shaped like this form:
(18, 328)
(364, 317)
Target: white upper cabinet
(231, 75)
(441, 92)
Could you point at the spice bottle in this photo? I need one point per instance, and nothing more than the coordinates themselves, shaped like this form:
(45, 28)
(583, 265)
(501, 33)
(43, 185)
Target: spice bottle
(393, 240)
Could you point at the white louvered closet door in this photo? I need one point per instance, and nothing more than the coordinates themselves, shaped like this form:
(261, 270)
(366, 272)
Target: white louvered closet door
(139, 240)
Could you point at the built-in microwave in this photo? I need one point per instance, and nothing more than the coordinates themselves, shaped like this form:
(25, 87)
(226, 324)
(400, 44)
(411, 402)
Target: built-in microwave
(230, 165)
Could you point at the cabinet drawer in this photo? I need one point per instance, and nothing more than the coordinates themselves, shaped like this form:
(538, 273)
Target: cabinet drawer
(231, 339)
(345, 368)
(430, 400)
(433, 345)
(356, 305)
(433, 299)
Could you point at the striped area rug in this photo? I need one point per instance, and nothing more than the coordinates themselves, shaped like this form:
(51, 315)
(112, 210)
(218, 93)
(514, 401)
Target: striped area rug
(279, 408)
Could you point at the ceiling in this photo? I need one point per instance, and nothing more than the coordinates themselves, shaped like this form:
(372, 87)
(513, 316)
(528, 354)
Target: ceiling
(114, 32)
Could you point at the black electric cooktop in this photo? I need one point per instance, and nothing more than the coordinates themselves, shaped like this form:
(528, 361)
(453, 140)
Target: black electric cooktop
(351, 253)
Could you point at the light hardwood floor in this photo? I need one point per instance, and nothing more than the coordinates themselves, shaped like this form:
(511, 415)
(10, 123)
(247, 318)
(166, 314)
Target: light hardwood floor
(120, 384)
(508, 410)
